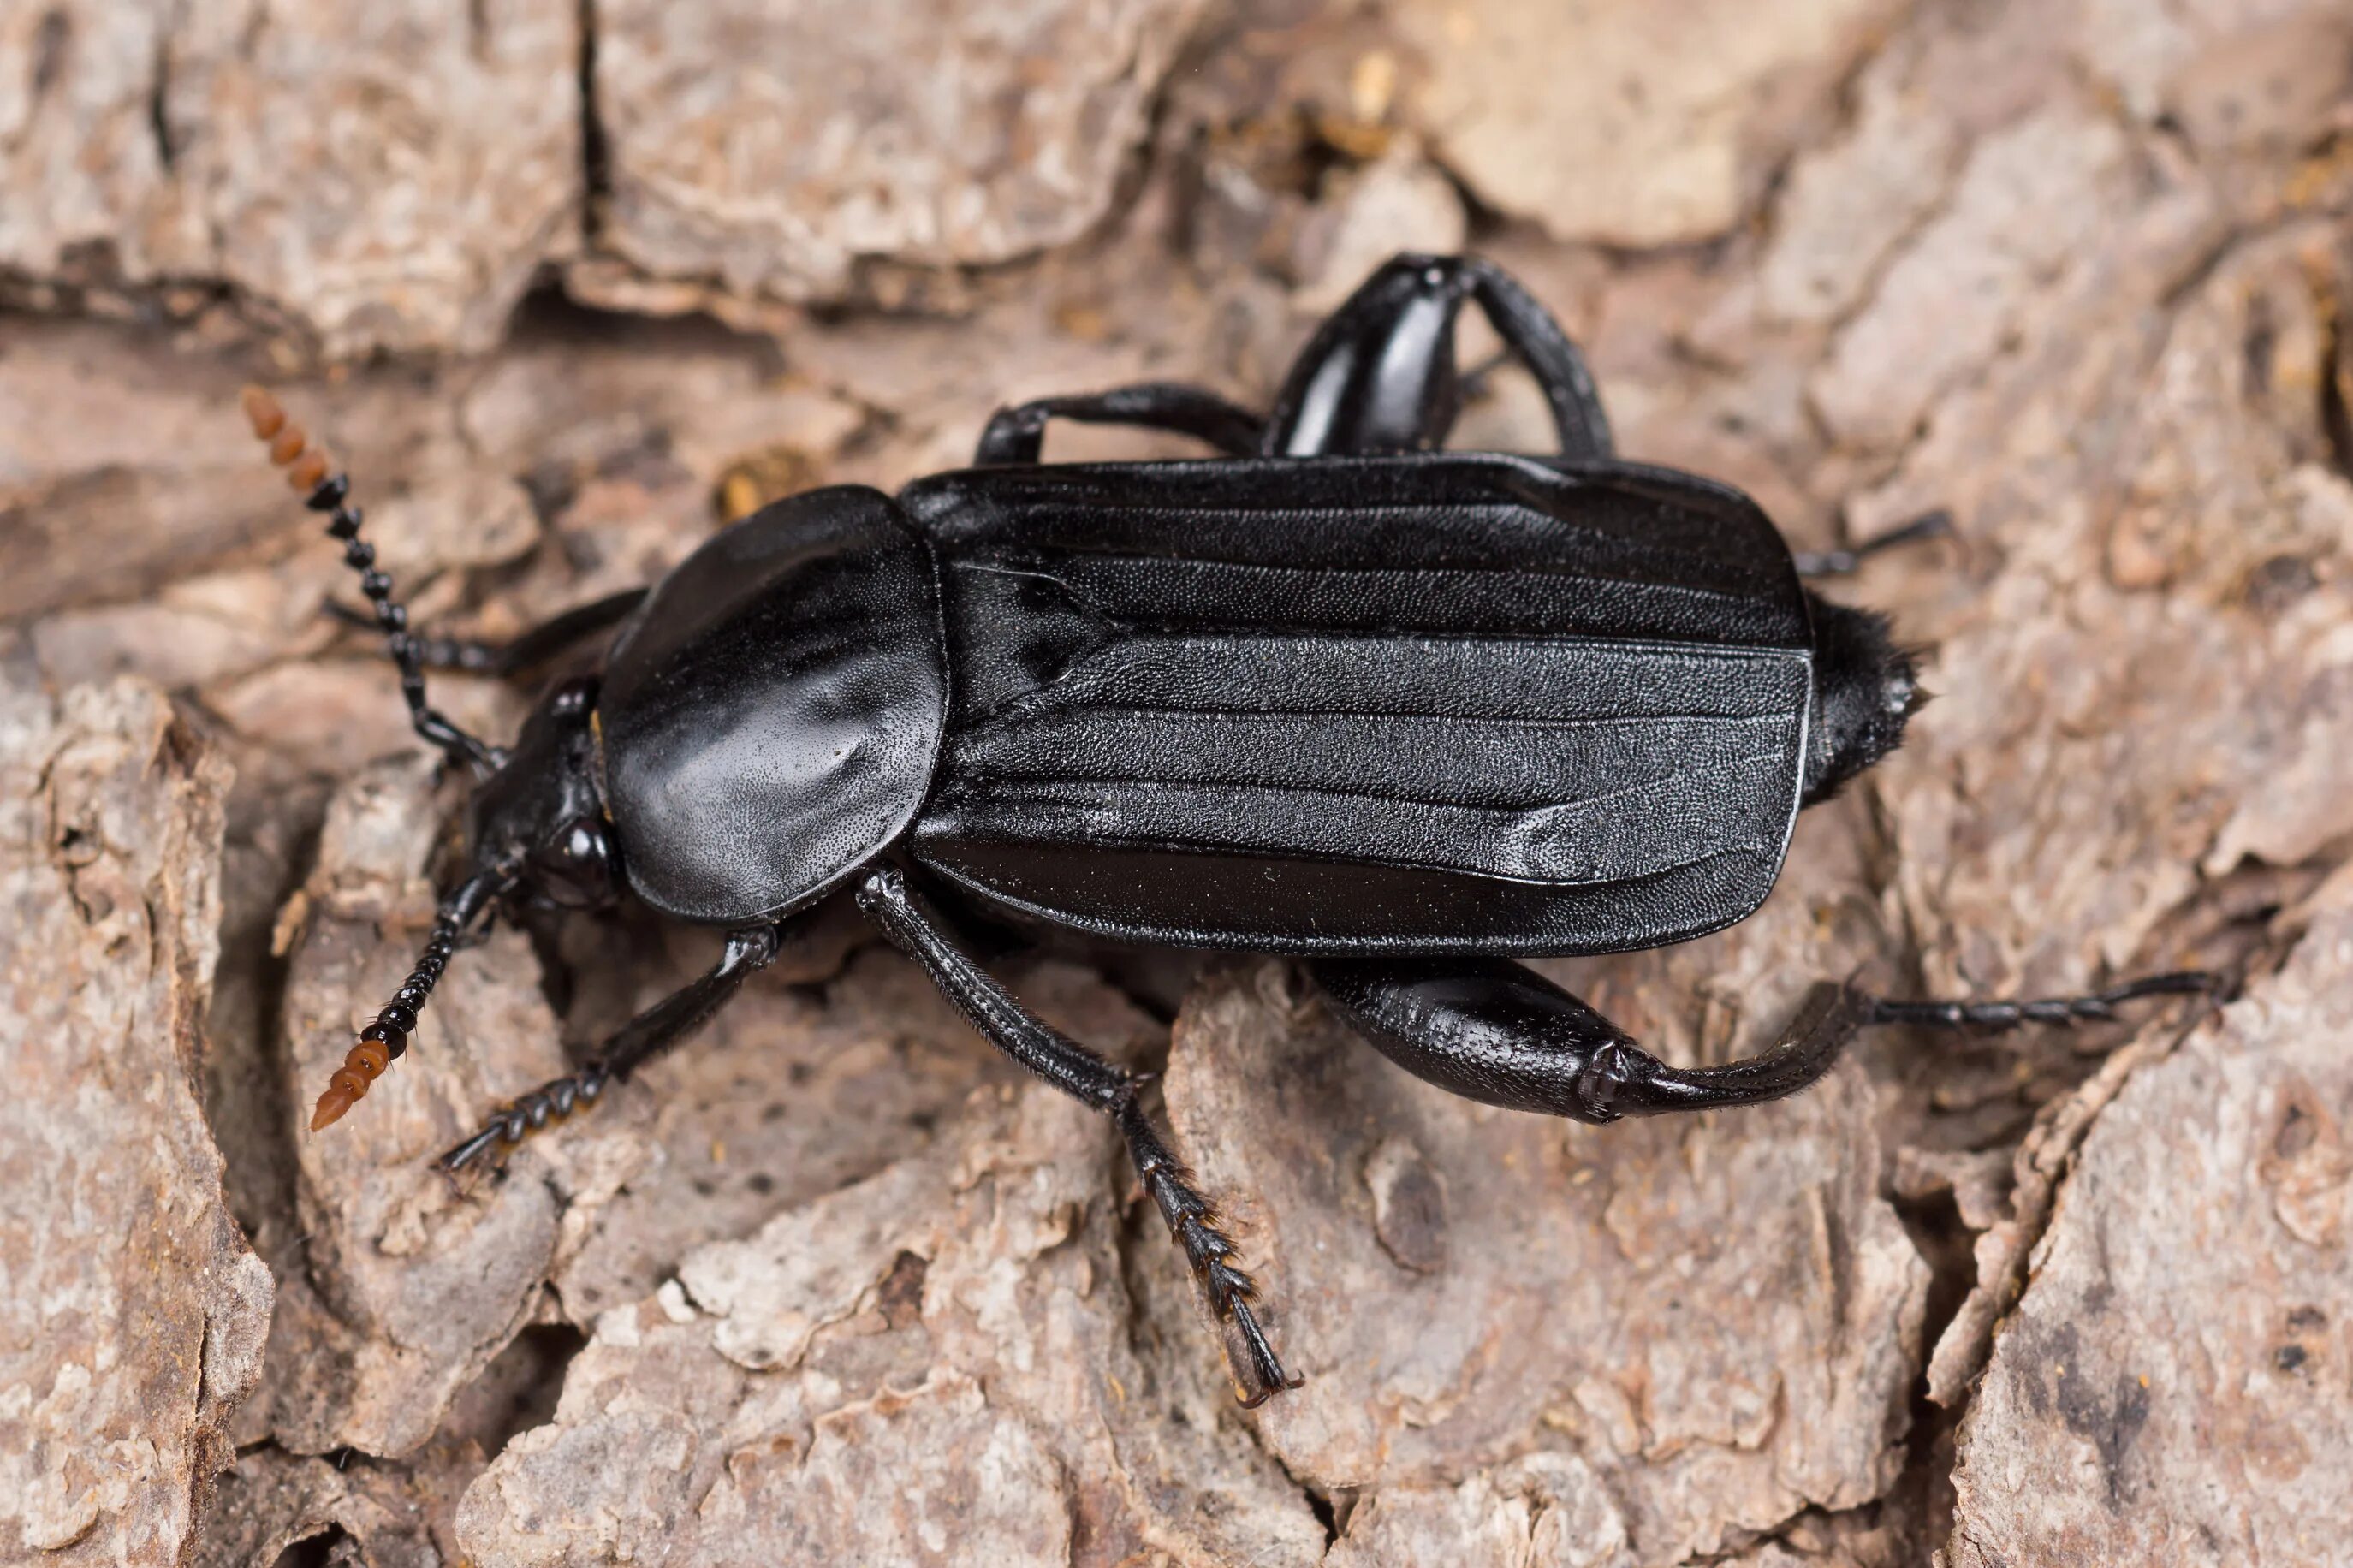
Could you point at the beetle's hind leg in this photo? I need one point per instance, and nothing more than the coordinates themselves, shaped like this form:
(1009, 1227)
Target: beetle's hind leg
(528, 651)
(1018, 435)
(1535, 336)
(1069, 1066)
(639, 1041)
(1496, 1032)
(1379, 376)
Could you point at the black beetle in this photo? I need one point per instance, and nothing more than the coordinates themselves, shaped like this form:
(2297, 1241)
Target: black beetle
(1402, 712)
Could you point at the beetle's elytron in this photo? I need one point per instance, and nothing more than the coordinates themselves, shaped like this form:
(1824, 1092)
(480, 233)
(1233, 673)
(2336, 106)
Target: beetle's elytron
(1408, 713)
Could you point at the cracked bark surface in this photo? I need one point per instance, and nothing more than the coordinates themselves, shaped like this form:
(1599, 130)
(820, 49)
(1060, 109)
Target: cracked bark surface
(1457, 1278)
(755, 153)
(135, 1310)
(2123, 1375)
(834, 1284)
(367, 178)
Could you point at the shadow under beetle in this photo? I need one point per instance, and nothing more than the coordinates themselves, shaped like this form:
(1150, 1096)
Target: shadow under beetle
(1405, 712)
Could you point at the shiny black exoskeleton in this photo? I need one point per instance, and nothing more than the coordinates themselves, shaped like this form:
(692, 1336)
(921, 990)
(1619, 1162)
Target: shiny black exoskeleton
(1405, 712)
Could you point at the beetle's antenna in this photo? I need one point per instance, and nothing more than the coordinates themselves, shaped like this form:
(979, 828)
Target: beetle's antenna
(308, 471)
(386, 1040)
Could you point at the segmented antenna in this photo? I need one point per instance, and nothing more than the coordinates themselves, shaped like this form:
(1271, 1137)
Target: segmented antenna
(308, 472)
(384, 1041)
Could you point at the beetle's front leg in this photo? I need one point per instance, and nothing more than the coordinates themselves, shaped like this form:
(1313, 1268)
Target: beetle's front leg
(1069, 1066)
(528, 651)
(641, 1039)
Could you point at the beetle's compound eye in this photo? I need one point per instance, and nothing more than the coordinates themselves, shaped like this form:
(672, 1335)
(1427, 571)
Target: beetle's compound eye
(577, 867)
(573, 699)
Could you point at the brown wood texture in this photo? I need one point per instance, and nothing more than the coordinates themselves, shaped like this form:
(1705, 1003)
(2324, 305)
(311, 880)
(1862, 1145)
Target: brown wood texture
(566, 284)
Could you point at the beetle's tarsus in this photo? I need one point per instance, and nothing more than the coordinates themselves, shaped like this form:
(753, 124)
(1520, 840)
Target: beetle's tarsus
(2099, 1006)
(552, 1102)
(456, 1159)
(639, 1041)
(1936, 524)
(1226, 1291)
(1268, 1377)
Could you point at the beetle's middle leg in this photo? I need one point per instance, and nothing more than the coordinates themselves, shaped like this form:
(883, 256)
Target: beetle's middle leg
(1496, 1032)
(1018, 435)
(1069, 1066)
(639, 1041)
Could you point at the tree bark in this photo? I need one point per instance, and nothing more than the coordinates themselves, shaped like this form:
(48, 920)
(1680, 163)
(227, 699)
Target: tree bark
(566, 286)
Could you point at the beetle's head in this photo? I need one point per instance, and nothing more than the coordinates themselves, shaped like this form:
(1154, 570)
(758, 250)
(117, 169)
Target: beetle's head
(539, 838)
(539, 817)
(1864, 688)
